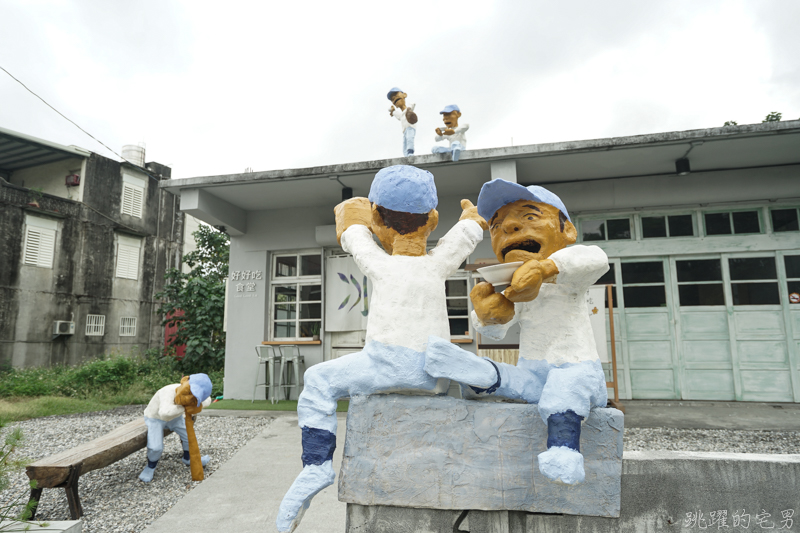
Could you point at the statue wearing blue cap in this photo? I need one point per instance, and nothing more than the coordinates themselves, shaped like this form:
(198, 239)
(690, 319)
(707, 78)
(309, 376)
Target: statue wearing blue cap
(164, 412)
(558, 366)
(408, 306)
(406, 116)
(452, 133)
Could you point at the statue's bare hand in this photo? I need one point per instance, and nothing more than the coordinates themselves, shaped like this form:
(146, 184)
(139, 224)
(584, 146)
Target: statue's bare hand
(470, 212)
(350, 212)
(490, 306)
(528, 278)
(439, 131)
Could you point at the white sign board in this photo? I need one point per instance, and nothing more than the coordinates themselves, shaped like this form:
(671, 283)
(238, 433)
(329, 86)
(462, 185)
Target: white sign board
(595, 302)
(346, 295)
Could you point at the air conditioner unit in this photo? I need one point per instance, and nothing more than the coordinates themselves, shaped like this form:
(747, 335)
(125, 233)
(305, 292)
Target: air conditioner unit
(63, 327)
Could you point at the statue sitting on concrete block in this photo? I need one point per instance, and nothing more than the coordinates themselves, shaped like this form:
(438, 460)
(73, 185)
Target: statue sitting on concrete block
(408, 306)
(558, 366)
(452, 133)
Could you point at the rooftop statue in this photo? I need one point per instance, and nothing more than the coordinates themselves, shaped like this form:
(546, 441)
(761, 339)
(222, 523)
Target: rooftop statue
(406, 116)
(408, 306)
(558, 366)
(452, 133)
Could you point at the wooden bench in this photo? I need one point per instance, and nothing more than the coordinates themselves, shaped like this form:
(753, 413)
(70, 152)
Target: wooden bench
(62, 470)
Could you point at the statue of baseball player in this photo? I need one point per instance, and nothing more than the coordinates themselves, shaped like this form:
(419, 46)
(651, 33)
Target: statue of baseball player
(558, 367)
(452, 133)
(408, 306)
(406, 116)
(164, 412)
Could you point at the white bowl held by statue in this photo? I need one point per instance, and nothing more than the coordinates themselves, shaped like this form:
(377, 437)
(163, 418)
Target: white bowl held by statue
(500, 275)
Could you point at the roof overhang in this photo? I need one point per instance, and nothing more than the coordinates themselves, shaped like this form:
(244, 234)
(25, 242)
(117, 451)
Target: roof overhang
(708, 150)
(18, 151)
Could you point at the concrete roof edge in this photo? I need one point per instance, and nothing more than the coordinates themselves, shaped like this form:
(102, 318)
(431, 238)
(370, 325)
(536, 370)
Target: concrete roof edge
(72, 150)
(495, 154)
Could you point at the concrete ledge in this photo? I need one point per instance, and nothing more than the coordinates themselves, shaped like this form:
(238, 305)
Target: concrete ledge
(446, 453)
(65, 526)
(661, 491)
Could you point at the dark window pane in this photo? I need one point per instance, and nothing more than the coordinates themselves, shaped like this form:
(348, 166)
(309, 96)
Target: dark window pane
(652, 296)
(718, 223)
(784, 220)
(746, 222)
(680, 226)
(286, 266)
(619, 229)
(613, 296)
(647, 272)
(455, 287)
(285, 293)
(794, 292)
(699, 270)
(705, 294)
(755, 293)
(312, 293)
(310, 265)
(457, 307)
(459, 326)
(608, 278)
(310, 310)
(654, 227)
(752, 268)
(285, 311)
(309, 329)
(792, 263)
(593, 230)
(284, 329)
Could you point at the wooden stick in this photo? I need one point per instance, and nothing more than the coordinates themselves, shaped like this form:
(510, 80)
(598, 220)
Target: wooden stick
(613, 341)
(195, 462)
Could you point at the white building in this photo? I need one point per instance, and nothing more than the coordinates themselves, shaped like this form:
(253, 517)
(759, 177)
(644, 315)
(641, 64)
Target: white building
(701, 230)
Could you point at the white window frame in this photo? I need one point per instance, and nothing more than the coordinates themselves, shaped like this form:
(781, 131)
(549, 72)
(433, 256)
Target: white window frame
(757, 210)
(128, 255)
(127, 326)
(133, 192)
(95, 325)
(604, 220)
(469, 279)
(40, 242)
(298, 281)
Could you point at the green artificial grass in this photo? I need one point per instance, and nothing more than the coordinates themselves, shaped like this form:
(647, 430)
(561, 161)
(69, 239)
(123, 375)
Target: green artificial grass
(265, 405)
(15, 409)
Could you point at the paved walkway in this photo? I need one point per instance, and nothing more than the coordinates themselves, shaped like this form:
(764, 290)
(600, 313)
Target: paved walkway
(244, 494)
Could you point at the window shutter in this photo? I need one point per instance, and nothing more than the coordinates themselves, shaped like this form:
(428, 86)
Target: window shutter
(39, 245)
(128, 258)
(132, 200)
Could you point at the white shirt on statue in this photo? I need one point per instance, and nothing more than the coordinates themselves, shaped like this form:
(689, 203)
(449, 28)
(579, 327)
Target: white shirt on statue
(400, 114)
(407, 301)
(555, 326)
(163, 407)
(458, 136)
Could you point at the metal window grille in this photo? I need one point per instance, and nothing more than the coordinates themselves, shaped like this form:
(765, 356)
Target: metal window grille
(127, 326)
(95, 325)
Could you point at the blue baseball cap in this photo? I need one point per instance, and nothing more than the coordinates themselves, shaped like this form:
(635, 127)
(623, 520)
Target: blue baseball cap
(393, 90)
(200, 385)
(404, 188)
(497, 193)
(449, 108)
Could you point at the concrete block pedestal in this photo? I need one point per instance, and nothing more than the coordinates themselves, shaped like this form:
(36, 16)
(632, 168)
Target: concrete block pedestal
(449, 454)
(63, 526)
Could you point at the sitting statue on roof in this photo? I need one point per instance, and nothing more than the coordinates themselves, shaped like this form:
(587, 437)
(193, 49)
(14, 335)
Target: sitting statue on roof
(453, 133)
(164, 412)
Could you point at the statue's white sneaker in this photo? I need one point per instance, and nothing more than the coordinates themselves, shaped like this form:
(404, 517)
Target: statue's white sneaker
(311, 480)
(203, 460)
(563, 465)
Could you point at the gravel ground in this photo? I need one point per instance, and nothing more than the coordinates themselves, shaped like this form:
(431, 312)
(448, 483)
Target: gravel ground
(115, 501)
(113, 498)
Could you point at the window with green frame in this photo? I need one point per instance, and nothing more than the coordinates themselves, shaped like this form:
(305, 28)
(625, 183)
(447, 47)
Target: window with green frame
(606, 229)
(784, 219)
(732, 222)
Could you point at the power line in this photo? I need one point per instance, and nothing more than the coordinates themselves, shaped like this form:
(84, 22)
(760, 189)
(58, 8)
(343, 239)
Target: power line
(62, 114)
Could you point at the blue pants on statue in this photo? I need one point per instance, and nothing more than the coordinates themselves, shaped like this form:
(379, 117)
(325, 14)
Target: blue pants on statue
(408, 140)
(455, 148)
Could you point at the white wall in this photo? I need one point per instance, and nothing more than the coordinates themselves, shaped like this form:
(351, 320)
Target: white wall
(51, 178)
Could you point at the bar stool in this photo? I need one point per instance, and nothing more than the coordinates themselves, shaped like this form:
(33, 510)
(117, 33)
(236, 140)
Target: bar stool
(269, 356)
(291, 360)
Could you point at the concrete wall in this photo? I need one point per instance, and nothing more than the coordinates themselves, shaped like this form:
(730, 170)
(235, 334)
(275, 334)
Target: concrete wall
(51, 178)
(82, 280)
(661, 491)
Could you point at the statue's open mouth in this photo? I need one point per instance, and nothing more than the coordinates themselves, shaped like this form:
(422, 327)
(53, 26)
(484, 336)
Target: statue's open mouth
(528, 246)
